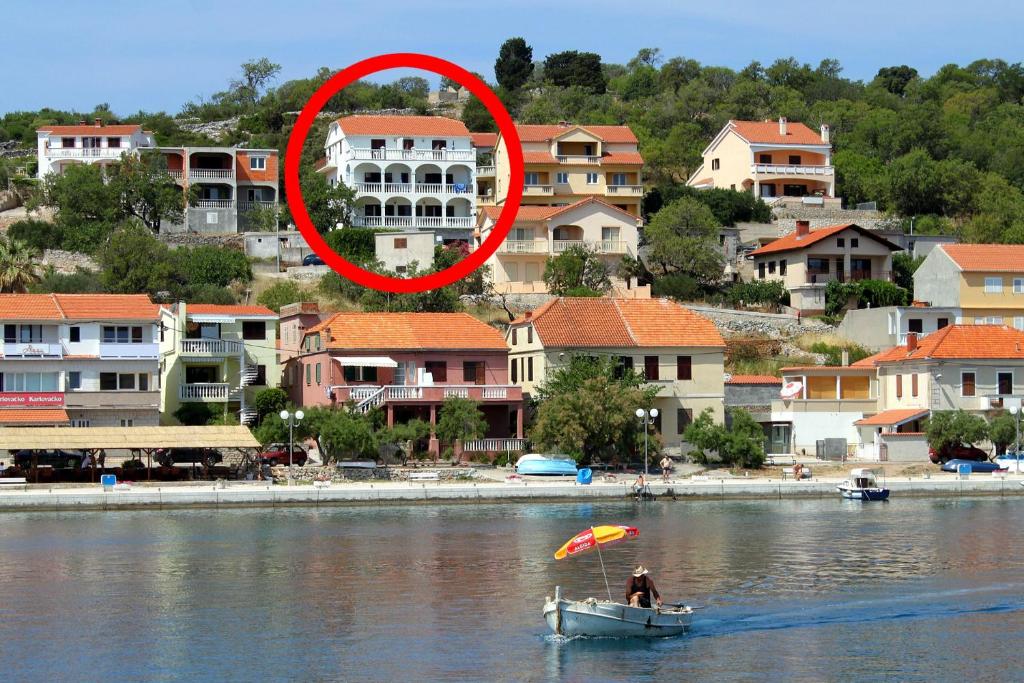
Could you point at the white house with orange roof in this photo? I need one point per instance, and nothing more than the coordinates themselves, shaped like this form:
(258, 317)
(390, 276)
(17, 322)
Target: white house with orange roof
(984, 282)
(61, 146)
(677, 351)
(408, 172)
(81, 360)
(781, 160)
(541, 232)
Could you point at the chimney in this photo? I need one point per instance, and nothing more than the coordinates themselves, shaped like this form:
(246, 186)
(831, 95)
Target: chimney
(782, 125)
(911, 342)
(825, 133)
(528, 315)
(81, 122)
(98, 122)
(802, 228)
(846, 358)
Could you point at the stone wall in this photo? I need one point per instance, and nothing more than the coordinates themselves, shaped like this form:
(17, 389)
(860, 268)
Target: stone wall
(730, 321)
(313, 472)
(67, 262)
(191, 239)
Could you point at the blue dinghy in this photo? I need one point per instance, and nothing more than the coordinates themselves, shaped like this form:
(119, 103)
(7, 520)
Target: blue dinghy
(535, 463)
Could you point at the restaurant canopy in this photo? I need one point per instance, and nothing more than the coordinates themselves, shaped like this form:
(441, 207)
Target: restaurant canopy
(135, 438)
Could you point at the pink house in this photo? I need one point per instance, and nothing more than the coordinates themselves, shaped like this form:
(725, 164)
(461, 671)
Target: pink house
(405, 363)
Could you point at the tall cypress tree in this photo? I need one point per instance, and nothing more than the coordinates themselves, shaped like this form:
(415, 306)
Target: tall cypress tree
(514, 64)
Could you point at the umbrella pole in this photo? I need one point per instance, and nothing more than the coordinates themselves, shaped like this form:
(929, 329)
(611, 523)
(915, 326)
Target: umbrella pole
(603, 572)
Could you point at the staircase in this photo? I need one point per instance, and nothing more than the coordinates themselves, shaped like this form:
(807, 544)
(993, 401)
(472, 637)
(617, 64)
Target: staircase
(370, 402)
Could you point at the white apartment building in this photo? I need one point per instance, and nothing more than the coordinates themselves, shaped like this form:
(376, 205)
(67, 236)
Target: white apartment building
(63, 146)
(409, 172)
(84, 360)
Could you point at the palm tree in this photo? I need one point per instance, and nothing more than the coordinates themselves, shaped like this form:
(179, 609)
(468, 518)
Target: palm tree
(18, 266)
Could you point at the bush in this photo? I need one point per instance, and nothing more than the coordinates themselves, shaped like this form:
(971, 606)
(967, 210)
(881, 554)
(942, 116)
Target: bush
(211, 294)
(675, 286)
(867, 293)
(834, 353)
(79, 282)
(195, 414)
(208, 265)
(38, 234)
(355, 244)
(769, 292)
(279, 294)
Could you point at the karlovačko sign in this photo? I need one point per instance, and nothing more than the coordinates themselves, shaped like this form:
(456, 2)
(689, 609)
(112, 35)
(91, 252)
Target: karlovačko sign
(31, 398)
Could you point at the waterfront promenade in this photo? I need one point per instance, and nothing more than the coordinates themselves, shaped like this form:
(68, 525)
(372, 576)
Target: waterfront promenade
(260, 494)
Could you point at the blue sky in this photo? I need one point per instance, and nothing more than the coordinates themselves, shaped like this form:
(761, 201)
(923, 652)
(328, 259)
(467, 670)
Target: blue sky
(155, 56)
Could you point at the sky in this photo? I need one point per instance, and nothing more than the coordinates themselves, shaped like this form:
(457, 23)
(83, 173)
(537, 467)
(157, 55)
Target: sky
(153, 56)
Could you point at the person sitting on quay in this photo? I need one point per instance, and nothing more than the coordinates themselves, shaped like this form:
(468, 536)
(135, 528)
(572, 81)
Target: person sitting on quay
(640, 589)
(640, 485)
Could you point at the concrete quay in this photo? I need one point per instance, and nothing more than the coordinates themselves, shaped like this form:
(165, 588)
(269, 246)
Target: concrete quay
(248, 494)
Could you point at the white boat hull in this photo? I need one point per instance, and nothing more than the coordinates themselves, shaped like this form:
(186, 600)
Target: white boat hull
(853, 493)
(614, 620)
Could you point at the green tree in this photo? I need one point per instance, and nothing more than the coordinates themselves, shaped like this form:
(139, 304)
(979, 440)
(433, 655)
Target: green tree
(577, 271)
(514, 65)
(904, 265)
(256, 75)
(683, 238)
(280, 293)
(269, 401)
(460, 418)
(344, 434)
(1002, 431)
(739, 445)
(328, 206)
(209, 265)
(195, 414)
(572, 68)
(950, 428)
(134, 262)
(147, 191)
(895, 79)
(37, 234)
(18, 269)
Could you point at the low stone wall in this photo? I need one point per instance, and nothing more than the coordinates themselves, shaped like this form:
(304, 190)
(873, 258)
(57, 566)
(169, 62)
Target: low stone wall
(334, 473)
(777, 325)
(191, 239)
(67, 262)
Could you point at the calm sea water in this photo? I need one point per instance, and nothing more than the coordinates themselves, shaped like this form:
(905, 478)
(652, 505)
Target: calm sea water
(928, 590)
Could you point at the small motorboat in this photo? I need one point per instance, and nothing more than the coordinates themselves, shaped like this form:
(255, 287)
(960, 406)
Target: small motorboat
(607, 619)
(862, 485)
(1011, 462)
(535, 463)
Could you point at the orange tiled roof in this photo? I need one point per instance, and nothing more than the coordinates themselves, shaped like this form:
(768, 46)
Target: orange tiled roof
(541, 133)
(373, 124)
(77, 307)
(543, 213)
(530, 157)
(483, 139)
(625, 158)
(892, 417)
(603, 322)
(1006, 258)
(767, 132)
(118, 129)
(962, 342)
(29, 416)
(794, 241)
(754, 379)
(217, 309)
(409, 331)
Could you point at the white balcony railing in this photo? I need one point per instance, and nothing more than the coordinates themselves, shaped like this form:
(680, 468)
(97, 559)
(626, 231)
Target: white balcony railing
(213, 203)
(628, 190)
(600, 246)
(33, 350)
(495, 392)
(429, 188)
(177, 175)
(485, 170)
(579, 159)
(524, 247)
(412, 221)
(86, 152)
(495, 445)
(534, 190)
(210, 347)
(792, 170)
(207, 391)
(210, 174)
(252, 206)
(147, 351)
(413, 154)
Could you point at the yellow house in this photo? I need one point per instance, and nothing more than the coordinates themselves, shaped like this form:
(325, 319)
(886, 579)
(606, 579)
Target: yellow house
(984, 281)
(771, 160)
(566, 163)
(676, 349)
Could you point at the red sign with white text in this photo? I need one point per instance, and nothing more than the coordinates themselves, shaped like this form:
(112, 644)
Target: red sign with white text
(31, 398)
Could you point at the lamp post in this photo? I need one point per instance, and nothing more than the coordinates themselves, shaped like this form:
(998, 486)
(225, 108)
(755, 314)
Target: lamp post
(292, 419)
(1015, 411)
(646, 417)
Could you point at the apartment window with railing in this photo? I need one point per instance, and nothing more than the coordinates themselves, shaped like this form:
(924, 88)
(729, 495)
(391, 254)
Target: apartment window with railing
(794, 159)
(531, 178)
(122, 334)
(67, 143)
(114, 143)
(764, 158)
(74, 334)
(817, 266)
(619, 179)
(356, 373)
(23, 334)
(438, 369)
(473, 372)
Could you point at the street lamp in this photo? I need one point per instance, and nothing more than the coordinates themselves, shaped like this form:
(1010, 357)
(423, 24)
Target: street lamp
(1015, 411)
(646, 417)
(292, 419)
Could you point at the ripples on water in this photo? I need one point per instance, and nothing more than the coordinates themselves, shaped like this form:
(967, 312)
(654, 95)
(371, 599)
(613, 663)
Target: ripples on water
(792, 590)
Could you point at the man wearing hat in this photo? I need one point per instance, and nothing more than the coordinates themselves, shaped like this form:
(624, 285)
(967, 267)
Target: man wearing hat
(640, 588)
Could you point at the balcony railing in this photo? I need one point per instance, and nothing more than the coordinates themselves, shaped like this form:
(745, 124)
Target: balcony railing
(210, 174)
(210, 347)
(412, 221)
(385, 154)
(207, 391)
(148, 351)
(485, 170)
(538, 190)
(32, 350)
(86, 152)
(600, 246)
(213, 203)
(435, 394)
(177, 175)
(495, 445)
(587, 160)
(853, 276)
(628, 190)
(253, 206)
(793, 170)
(524, 247)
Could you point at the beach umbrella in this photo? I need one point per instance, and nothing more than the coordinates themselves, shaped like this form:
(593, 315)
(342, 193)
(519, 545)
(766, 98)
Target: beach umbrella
(592, 539)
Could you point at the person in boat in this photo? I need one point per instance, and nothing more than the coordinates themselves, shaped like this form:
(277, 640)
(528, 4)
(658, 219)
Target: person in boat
(640, 589)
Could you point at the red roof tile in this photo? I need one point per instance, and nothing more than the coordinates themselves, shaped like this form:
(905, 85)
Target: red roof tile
(30, 416)
(119, 129)
(483, 139)
(538, 158)
(625, 158)
(373, 124)
(893, 417)
(754, 379)
(603, 322)
(77, 307)
(794, 241)
(542, 133)
(542, 213)
(409, 331)
(767, 132)
(968, 342)
(217, 309)
(993, 258)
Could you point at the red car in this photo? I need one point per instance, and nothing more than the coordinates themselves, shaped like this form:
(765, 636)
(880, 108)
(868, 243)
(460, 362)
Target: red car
(957, 453)
(277, 454)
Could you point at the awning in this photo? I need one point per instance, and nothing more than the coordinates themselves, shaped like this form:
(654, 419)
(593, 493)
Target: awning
(892, 418)
(366, 361)
(26, 417)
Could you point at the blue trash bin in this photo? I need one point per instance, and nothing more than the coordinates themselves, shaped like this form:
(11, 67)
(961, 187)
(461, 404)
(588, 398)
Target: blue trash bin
(584, 476)
(963, 469)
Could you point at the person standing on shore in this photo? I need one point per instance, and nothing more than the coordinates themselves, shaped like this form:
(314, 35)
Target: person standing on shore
(666, 468)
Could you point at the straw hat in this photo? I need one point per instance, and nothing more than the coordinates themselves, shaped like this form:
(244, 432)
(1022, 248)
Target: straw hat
(639, 571)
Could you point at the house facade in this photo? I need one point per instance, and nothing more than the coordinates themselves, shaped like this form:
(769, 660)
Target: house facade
(405, 364)
(410, 172)
(677, 350)
(777, 161)
(567, 163)
(217, 355)
(83, 360)
(882, 328)
(483, 145)
(61, 146)
(807, 260)
(985, 282)
(540, 232)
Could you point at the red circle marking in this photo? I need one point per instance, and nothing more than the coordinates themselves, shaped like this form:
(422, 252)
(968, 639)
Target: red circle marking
(301, 131)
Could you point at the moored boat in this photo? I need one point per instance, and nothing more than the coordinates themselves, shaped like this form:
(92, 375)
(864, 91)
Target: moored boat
(535, 463)
(862, 485)
(602, 618)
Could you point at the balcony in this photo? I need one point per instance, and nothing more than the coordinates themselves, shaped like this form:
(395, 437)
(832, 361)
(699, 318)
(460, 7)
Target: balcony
(33, 350)
(524, 247)
(599, 246)
(86, 152)
(206, 391)
(484, 171)
(210, 174)
(384, 154)
(123, 400)
(412, 222)
(794, 170)
(538, 190)
(579, 160)
(213, 204)
(495, 445)
(210, 347)
(432, 394)
(144, 351)
(254, 206)
(817, 278)
(177, 175)
(626, 190)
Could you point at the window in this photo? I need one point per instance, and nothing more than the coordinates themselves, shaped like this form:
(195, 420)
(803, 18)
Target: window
(356, 373)
(899, 386)
(854, 242)
(74, 380)
(113, 143)
(261, 376)
(1018, 285)
(531, 178)
(309, 374)
(684, 367)
(515, 371)
(715, 164)
(437, 369)
(619, 179)
(122, 334)
(1018, 322)
(684, 416)
(318, 374)
(651, 368)
(529, 369)
(126, 382)
(515, 339)
(473, 372)
(108, 381)
(782, 267)
(967, 384)
(915, 325)
(143, 381)
(588, 150)
(771, 267)
(817, 266)
(993, 285)
(1004, 383)
(254, 329)
(794, 159)
(760, 270)
(913, 384)
(80, 423)
(562, 178)
(127, 422)
(257, 163)
(764, 158)
(401, 242)
(75, 334)
(591, 179)
(67, 143)
(529, 334)
(840, 242)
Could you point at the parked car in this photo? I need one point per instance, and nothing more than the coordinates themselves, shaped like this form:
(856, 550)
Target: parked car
(169, 457)
(976, 466)
(57, 459)
(957, 453)
(277, 454)
(312, 260)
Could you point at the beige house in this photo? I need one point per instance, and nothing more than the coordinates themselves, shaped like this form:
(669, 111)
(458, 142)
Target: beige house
(676, 349)
(807, 260)
(540, 232)
(774, 160)
(984, 281)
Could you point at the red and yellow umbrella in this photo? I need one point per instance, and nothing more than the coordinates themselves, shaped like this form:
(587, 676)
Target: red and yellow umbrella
(595, 537)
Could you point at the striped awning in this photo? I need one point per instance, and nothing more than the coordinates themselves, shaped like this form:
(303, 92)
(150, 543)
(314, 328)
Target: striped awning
(366, 361)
